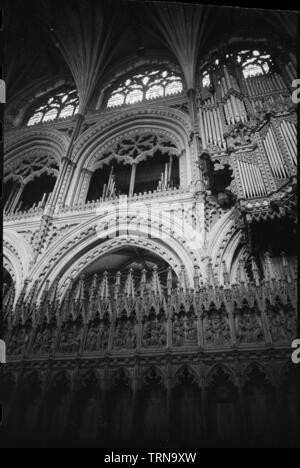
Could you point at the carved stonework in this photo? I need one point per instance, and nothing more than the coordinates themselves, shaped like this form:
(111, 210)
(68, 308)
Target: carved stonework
(154, 333)
(282, 320)
(124, 335)
(249, 328)
(19, 340)
(70, 338)
(184, 330)
(97, 336)
(216, 329)
(239, 136)
(45, 339)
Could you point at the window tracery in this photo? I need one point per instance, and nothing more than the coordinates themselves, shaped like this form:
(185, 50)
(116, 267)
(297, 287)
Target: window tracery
(62, 104)
(140, 162)
(137, 148)
(148, 85)
(252, 62)
(31, 167)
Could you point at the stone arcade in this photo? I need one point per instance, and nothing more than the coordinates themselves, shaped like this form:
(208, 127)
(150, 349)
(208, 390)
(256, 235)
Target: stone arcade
(149, 227)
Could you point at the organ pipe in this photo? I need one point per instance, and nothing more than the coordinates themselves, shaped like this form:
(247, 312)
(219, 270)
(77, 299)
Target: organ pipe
(251, 179)
(289, 133)
(275, 159)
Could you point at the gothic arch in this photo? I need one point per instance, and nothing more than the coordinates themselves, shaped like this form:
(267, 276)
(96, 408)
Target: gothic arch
(40, 141)
(224, 369)
(21, 102)
(173, 123)
(121, 375)
(69, 255)
(18, 255)
(153, 372)
(262, 369)
(185, 368)
(134, 63)
(223, 243)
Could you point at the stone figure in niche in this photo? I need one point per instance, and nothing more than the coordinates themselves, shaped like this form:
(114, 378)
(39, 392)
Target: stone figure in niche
(92, 338)
(49, 337)
(217, 330)
(178, 331)
(38, 342)
(249, 328)
(282, 324)
(103, 335)
(75, 338)
(154, 333)
(184, 330)
(191, 329)
(130, 336)
(289, 325)
(70, 339)
(276, 330)
(18, 342)
(125, 336)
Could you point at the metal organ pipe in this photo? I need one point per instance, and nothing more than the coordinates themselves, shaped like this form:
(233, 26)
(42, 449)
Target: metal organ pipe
(276, 163)
(247, 178)
(205, 125)
(250, 173)
(247, 87)
(270, 157)
(221, 128)
(251, 178)
(242, 178)
(218, 136)
(224, 85)
(230, 111)
(202, 130)
(213, 127)
(288, 131)
(277, 154)
(226, 112)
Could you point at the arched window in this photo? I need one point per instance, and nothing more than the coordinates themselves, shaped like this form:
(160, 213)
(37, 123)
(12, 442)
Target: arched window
(139, 163)
(63, 104)
(30, 182)
(254, 62)
(147, 85)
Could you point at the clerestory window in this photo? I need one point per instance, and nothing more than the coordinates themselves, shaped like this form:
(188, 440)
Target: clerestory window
(148, 85)
(62, 104)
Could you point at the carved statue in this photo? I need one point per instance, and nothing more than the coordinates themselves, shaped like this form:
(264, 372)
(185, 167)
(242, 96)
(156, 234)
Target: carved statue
(282, 325)
(75, 339)
(18, 342)
(217, 330)
(130, 336)
(103, 336)
(249, 329)
(184, 331)
(154, 333)
(70, 339)
(178, 332)
(49, 336)
(91, 340)
(239, 135)
(191, 329)
(37, 345)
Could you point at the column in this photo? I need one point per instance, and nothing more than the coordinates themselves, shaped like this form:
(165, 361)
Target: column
(132, 179)
(57, 194)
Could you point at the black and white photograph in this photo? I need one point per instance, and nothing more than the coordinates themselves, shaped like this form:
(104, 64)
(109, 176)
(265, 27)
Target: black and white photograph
(149, 228)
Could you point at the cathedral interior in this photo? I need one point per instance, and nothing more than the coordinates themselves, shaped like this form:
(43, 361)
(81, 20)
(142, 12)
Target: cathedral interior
(149, 240)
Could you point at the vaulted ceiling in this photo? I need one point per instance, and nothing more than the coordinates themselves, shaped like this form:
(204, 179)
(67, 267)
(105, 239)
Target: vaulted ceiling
(81, 41)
